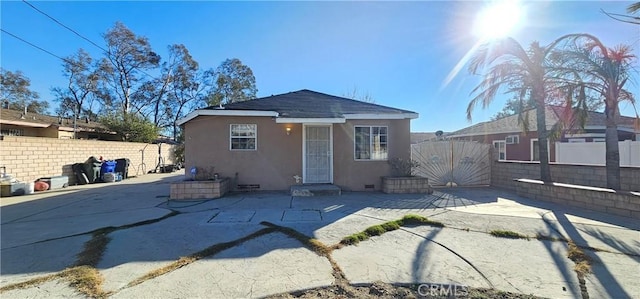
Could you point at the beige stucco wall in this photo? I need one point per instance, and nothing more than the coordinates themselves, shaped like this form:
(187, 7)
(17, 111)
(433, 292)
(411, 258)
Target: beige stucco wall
(278, 157)
(352, 175)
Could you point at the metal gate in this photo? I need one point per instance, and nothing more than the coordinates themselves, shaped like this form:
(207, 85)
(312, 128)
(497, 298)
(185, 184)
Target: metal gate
(453, 163)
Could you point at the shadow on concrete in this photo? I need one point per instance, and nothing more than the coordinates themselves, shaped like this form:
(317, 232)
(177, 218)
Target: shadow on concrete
(122, 203)
(608, 281)
(44, 220)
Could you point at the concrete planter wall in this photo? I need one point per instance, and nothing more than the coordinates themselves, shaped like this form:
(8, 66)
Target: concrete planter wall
(598, 199)
(190, 190)
(400, 185)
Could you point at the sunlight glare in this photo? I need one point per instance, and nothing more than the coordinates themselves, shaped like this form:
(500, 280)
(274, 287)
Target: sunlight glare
(498, 19)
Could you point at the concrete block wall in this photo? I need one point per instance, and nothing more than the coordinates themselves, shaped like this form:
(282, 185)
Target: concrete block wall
(607, 201)
(504, 172)
(30, 158)
(399, 185)
(188, 190)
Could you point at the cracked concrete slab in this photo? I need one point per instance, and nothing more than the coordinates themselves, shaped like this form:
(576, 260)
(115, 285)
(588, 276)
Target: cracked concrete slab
(51, 289)
(161, 243)
(613, 276)
(232, 216)
(515, 265)
(27, 232)
(263, 266)
(34, 260)
(400, 257)
(396, 256)
(301, 215)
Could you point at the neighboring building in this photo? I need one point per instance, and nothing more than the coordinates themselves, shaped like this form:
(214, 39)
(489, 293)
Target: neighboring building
(513, 143)
(321, 138)
(417, 137)
(19, 123)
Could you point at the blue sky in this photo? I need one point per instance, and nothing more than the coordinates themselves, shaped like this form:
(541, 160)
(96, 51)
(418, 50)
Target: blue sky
(397, 52)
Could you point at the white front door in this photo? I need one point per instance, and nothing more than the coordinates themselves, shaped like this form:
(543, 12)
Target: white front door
(317, 160)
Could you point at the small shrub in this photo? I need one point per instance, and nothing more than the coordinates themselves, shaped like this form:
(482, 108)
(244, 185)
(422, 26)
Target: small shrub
(403, 167)
(375, 230)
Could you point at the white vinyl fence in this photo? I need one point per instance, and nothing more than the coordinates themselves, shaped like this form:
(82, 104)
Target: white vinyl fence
(593, 153)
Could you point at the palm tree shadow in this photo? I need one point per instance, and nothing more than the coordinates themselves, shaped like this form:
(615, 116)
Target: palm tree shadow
(558, 257)
(602, 274)
(421, 258)
(613, 242)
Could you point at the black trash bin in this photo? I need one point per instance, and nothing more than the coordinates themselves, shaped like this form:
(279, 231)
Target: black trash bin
(92, 169)
(80, 172)
(122, 166)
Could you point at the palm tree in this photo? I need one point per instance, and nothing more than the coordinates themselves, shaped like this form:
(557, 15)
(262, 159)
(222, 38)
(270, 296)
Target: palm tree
(605, 72)
(526, 73)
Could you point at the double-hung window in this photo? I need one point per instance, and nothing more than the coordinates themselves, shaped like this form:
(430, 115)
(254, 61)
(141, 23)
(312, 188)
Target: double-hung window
(371, 143)
(243, 137)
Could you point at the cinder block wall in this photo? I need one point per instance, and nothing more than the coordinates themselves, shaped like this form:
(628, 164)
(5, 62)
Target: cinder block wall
(622, 203)
(30, 158)
(504, 172)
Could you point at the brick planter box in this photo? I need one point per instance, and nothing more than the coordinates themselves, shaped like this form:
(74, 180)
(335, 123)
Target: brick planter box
(197, 190)
(401, 185)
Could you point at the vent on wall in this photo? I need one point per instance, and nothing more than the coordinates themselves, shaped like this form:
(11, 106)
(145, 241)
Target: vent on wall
(369, 186)
(513, 139)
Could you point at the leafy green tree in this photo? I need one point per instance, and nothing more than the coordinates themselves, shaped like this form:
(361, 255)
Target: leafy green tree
(234, 82)
(130, 127)
(123, 69)
(592, 67)
(15, 89)
(526, 73)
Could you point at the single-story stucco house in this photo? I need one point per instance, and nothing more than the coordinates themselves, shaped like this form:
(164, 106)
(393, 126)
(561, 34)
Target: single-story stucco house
(304, 136)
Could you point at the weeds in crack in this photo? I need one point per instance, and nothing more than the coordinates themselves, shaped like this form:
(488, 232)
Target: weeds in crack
(580, 258)
(341, 282)
(507, 234)
(209, 251)
(409, 220)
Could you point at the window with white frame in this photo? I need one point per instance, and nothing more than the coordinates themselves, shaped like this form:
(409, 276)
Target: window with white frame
(535, 150)
(243, 137)
(371, 143)
(501, 149)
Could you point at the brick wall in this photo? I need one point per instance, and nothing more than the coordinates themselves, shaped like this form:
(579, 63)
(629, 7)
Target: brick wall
(504, 172)
(603, 200)
(186, 190)
(30, 158)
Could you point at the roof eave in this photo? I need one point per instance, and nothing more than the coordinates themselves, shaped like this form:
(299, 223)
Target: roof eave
(222, 112)
(406, 115)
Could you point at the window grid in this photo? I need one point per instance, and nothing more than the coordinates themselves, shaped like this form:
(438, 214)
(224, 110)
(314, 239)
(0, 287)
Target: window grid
(371, 143)
(243, 137)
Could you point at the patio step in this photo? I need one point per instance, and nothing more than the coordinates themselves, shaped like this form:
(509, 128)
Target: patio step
(315, 190)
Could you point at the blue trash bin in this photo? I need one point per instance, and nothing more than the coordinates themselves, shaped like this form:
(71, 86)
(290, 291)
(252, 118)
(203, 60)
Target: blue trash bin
(108, 167)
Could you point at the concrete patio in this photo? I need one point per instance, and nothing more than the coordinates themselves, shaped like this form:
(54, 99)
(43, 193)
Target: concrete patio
(43, 233)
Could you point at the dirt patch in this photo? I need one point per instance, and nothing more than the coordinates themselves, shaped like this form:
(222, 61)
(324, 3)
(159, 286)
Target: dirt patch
(388, 291)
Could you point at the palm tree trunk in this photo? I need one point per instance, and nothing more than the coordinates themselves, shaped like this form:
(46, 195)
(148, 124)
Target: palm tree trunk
(545, 171)
(612, 155)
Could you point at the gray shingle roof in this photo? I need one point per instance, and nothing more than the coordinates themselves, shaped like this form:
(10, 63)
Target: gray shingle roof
(553, 114)
(311, 104)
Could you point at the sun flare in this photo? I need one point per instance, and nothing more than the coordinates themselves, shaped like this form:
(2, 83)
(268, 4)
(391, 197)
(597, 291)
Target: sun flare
(498, 19)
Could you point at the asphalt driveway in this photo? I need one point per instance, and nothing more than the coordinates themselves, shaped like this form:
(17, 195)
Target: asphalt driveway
(146, 235)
